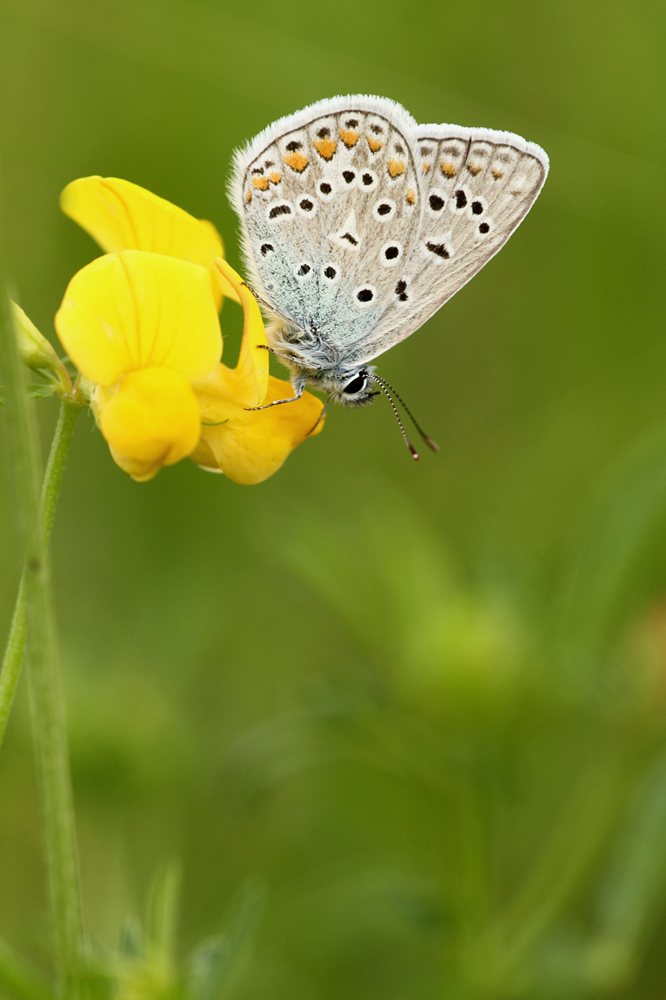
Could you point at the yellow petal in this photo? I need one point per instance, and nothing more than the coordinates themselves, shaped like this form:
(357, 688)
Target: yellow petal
(150, 419)
(252, 368)
(120, 215)
(249, 446)
(135, 310)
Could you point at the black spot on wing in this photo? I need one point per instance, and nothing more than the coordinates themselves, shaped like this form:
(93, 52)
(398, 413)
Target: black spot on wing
(439, 249)
(278, 210)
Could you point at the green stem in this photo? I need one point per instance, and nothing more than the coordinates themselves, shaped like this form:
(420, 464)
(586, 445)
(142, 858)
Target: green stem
(47, 708)
(13, 658)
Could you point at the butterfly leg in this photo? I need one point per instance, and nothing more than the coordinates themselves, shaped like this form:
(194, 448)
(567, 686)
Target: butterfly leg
(298, 389)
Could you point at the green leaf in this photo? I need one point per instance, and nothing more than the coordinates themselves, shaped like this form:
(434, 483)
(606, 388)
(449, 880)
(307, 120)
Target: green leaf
(632, 897)
(162, 915)
(629, 517)
(18, 979)
(42, 390)
(132, 939)
(218, 964)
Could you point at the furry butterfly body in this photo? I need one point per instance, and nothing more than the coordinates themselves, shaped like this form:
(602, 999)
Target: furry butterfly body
(358, 224)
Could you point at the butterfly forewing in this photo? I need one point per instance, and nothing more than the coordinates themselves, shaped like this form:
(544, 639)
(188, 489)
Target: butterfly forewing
(476, 187)
(331, 209)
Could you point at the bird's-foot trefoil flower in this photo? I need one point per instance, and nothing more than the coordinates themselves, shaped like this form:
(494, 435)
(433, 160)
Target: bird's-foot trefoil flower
(141, 326)
(250, 445)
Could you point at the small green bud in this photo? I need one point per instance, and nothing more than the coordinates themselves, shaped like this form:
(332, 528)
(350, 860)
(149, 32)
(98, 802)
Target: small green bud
(36, 352)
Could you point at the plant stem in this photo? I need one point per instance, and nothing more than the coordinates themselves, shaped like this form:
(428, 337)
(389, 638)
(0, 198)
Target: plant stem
(47, 708)
(13, 658)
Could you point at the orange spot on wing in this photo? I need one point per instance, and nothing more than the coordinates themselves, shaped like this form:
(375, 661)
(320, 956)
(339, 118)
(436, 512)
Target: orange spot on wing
(297, 161)
(326, 147)
(374, 144)
(248, 196)
(474, 168)
(498, 173)
(260, 183)
(349, 138)
(448, 169)
(396, 168)
(411, 196)
(274, 177)
(425, 168)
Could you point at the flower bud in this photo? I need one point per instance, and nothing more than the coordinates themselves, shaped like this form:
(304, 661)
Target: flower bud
(35, 350)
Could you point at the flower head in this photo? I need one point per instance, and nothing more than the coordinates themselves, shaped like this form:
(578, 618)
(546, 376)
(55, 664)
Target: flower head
(249, 446)
(141, 325)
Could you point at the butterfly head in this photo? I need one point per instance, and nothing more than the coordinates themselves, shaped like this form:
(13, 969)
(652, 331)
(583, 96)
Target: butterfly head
(352, 388)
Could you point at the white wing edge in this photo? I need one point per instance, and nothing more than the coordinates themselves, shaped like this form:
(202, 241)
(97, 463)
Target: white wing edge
(440, 132)
(366, 103)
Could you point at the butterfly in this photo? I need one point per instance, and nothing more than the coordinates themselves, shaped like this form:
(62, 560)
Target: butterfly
(357, 224)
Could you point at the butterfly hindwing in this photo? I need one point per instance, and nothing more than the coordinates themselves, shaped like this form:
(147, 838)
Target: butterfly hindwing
(476, 187)
(331, 205)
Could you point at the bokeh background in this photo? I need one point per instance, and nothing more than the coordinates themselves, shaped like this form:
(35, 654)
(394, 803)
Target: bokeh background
(424, 705)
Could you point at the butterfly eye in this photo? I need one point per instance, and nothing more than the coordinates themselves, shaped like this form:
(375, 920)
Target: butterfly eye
(357, 384)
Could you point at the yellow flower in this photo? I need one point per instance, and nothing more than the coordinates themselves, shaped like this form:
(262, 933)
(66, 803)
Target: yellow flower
(250, 446)
(142, 327)
(140, 323)
(120, 215)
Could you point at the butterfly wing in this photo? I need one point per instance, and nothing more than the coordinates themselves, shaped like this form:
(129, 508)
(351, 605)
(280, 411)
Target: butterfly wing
(476, 187)
(330, 206)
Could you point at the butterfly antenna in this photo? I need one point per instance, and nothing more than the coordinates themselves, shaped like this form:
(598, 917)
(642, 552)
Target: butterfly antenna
(382, 382)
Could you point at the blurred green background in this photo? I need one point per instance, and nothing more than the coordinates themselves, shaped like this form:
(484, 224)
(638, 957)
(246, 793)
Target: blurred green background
(424, 704)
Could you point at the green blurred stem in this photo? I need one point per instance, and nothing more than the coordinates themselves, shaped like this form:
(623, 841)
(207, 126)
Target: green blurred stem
(47, 709)
(13, 658)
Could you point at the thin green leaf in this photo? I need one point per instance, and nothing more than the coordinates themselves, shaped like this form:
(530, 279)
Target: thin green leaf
(632, 897)
(218, 964)
(629, 513)
(162, 915)
(132, 942)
